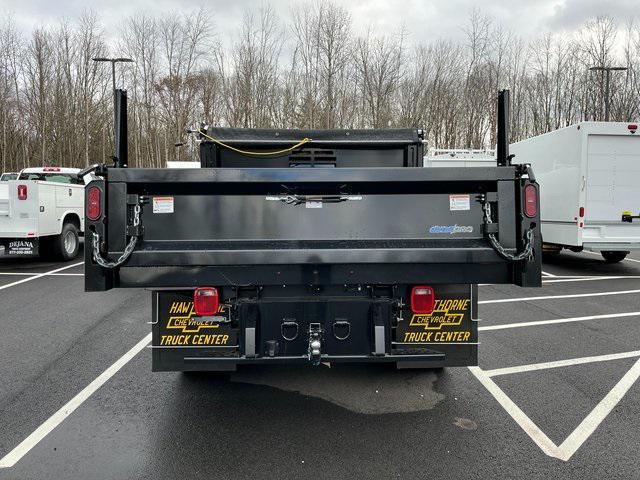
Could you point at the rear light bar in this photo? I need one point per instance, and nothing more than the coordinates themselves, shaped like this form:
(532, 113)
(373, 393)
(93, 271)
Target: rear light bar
(206, 301)
(422, 299)
(530, 200)
(22, 192)
(51, 169)
(94, 203)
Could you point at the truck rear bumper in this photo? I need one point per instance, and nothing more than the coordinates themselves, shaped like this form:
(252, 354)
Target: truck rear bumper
(612, 246)
(432, 360)
(360, 325)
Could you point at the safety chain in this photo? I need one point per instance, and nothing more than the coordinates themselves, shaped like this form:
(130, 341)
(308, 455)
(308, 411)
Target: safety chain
(97, 257)
(526, 254)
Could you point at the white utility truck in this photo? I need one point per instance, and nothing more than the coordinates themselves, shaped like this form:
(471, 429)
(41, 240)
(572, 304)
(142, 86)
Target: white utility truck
(42, 212)
(589, 176)
(441, 157)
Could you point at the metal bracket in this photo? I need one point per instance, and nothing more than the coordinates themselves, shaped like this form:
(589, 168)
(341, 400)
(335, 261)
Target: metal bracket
(289, 324)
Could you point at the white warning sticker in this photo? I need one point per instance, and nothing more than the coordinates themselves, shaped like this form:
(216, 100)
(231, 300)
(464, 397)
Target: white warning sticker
(162, 204)
(459, 202)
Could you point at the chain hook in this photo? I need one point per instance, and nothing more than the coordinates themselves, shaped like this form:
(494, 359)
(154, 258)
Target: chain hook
(128, 250)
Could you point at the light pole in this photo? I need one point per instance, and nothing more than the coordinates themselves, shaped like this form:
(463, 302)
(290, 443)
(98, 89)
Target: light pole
(113, 81)
(607, 71)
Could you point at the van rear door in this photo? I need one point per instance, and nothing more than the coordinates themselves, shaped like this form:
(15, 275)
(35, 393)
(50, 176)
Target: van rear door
(612, 188)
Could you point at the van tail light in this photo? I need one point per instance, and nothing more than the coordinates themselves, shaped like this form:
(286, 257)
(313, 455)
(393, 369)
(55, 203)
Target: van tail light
(632, 127)
(94, 203)
(422, 299)
(530, 200)
(206, 301)
(22, 192)
(581, 212)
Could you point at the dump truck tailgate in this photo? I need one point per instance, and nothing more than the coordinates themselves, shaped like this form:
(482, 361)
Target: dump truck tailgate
(203, 219)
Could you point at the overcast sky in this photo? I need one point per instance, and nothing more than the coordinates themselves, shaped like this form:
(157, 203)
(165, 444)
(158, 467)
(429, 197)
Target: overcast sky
(425, 20)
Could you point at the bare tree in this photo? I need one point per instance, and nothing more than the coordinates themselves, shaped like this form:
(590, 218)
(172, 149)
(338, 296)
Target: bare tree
(315, 72)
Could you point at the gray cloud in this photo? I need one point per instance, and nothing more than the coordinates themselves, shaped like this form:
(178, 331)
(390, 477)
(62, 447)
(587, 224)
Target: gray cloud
(424, 20)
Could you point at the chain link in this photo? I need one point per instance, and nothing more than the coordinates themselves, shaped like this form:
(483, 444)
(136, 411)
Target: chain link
(128, 250)
(526, 254)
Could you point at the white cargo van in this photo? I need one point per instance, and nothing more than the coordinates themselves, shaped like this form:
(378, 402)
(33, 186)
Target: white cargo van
(42, 211)
(589, 176)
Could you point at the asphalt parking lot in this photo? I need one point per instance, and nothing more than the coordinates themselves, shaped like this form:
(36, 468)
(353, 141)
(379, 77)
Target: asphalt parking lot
(555, 395)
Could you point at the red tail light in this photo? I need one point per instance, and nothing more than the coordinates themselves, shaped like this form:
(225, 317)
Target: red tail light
(581, 212)
(94, 204)
(22, 192)
(530, 201)
(206, 301)
(422, 299)
(632, 127)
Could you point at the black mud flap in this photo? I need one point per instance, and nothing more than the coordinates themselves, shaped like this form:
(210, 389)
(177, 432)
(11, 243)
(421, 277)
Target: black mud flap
(19, 247)
(451, 329)
(182, 341)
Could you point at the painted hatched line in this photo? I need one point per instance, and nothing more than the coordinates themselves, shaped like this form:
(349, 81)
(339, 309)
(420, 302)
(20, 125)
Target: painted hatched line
(560, 363)
(582, 432)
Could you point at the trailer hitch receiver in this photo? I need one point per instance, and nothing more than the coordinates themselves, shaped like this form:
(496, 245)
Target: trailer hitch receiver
(315, 343)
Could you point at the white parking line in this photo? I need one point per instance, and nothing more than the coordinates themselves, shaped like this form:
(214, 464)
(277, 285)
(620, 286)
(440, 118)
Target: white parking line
(560, 363)
(39, 275)
(589, 279)
(557, 320)
(598, 414)
(580, 435)
(551, 297)
(521, 418)
(23, 274)
(547, 274)
(11, 458)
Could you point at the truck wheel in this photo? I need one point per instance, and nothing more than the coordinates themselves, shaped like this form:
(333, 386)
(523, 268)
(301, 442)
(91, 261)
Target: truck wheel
(613, 257)
(67, 244)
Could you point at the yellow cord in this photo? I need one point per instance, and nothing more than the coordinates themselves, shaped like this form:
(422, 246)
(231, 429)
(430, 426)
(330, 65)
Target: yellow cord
(259, 154)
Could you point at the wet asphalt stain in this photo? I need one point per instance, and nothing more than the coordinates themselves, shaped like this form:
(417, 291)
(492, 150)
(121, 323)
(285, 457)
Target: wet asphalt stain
(465, 424)
(370, 389)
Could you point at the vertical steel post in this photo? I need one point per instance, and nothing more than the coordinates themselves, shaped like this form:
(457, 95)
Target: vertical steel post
(121, 138)
(503, 128)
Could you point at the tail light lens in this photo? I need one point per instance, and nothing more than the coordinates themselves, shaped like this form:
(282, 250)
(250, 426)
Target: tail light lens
(94, 204)
(22, 192)
(530, 201)
(422, 299)
(206, 301)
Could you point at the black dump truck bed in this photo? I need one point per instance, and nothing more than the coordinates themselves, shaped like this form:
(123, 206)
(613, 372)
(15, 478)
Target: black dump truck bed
(327, 245)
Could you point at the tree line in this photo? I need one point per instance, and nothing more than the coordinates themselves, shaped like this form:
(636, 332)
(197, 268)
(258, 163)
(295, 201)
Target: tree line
(312, 71)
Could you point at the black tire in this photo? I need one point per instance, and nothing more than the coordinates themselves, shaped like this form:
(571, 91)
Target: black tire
(613, 257)
(66, 245)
